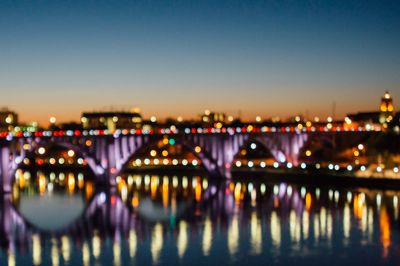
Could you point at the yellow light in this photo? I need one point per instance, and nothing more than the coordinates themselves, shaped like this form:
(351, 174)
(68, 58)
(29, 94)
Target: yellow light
(300, 126)
(53, 120)
(308, 201)
(135, 201)
(308, 153)
(218, 125)
(9, 119)
(308, 124)
(165, 153)
(197, 149)
(88, 143)
(165, 141)
(153, 153)
(356, 153)
(71, 183)
(42, 184)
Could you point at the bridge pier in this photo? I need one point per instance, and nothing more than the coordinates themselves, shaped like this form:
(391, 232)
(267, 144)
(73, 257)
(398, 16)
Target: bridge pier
(5, 170)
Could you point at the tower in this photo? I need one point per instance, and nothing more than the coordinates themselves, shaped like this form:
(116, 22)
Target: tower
(386, 109)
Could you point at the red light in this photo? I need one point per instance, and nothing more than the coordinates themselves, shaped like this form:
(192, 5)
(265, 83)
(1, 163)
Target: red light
(113, 200)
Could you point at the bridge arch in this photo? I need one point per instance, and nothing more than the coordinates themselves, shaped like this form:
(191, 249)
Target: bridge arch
(276, 154)
(207, 162)
(93, 164)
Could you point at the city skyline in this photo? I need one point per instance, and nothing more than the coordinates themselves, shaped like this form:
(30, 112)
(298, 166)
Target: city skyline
(263, 58)
(195, 115)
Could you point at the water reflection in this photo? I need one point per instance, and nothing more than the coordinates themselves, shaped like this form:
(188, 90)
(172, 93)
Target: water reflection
(51, 201)
(171, 219)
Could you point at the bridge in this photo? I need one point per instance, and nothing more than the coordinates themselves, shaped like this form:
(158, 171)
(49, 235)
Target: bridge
(108, 153)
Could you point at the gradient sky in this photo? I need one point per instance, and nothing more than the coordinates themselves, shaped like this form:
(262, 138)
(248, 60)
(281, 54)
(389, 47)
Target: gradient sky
(173, 58)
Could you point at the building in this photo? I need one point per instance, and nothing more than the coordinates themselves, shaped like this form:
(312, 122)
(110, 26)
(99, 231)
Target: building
(8, 120)
(213, 119)
(386, 109)
(383, 117)
(112, 120)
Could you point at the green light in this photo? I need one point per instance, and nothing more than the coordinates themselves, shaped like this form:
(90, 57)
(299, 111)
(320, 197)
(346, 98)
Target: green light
(171, 141)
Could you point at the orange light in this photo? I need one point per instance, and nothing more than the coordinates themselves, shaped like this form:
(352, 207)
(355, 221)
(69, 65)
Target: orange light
(308, 201)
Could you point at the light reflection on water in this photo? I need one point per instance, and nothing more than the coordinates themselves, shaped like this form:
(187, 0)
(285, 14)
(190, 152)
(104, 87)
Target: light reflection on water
(175, 219)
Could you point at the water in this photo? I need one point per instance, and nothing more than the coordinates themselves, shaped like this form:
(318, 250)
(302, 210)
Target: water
(159, 219)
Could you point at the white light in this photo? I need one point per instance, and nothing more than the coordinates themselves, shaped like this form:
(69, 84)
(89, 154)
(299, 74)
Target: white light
(289, 165)
(336, 196)
(250, 187)
(146, 161)
(303, 166)
(276, 164)
(42, 151)
(363, 168)
(276, 190)
(378, 199)
(289, 191)
(253, 146)
(379, 169)
(71, 153)
(303, 192)
(50, 187)
(250, 164)
(317, 166)
(330, 193)
(349, 168)
(263, 188)
(238, 163)
(349, 196)
(195, 162)
(330, 166)
(263, 164)
(175, 162)
(337, 167)
(396, 169)
(184, 162)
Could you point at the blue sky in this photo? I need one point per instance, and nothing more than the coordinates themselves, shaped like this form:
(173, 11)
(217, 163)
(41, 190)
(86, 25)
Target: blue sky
(180, 57)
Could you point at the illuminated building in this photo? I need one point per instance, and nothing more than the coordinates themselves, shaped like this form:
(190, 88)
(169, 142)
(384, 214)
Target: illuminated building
(213, 119)
(112, 120)
(8, 120)
(386, 109)
(384, 116)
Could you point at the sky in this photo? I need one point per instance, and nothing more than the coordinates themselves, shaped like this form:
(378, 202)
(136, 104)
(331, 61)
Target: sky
(179, 57)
